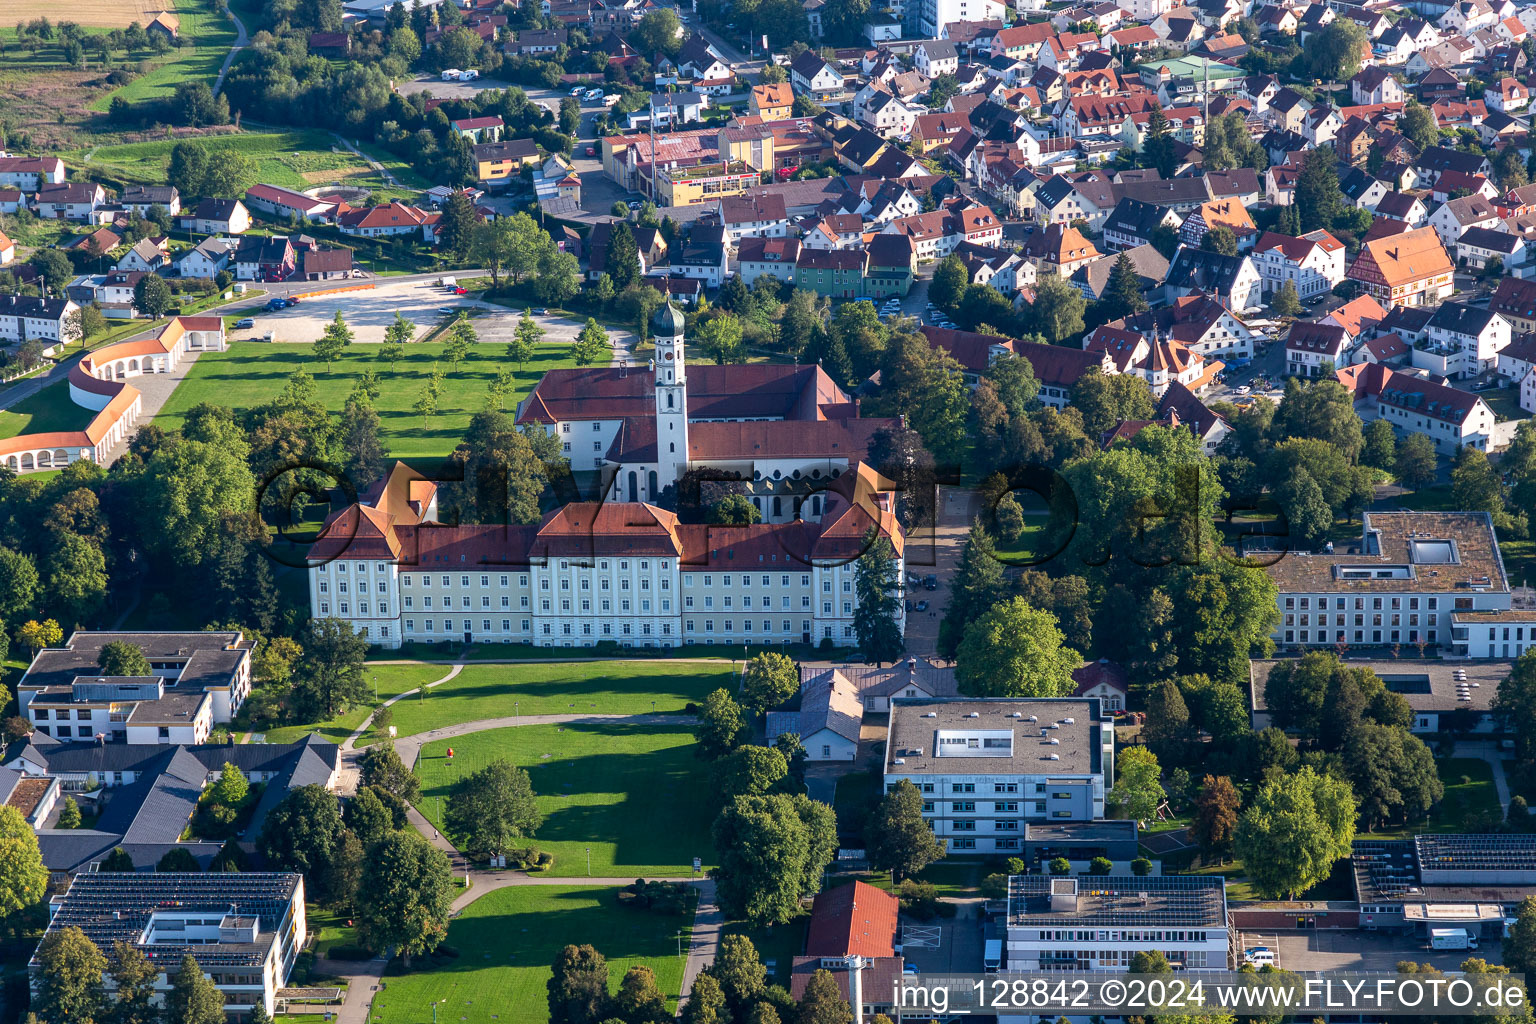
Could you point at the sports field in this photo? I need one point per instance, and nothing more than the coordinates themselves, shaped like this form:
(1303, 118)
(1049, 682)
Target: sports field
(297, 159)
(593, 687)
(636, 796)
(506, 942)
(250, 373)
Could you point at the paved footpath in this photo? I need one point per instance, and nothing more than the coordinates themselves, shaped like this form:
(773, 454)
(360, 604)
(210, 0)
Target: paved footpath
(363, 979)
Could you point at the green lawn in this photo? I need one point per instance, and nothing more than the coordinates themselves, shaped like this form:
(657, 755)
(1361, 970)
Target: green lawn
(298, 159)
(48, 410)
(593, 687)
(391, 681)
(1021, 550)
(634, 795)
(329, 930)
(506, 942)
(1473, 799)
(206, 37)
(250, 373)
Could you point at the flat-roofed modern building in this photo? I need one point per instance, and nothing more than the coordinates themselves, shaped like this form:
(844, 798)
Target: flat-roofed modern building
(987, 766)
(1404, 583)
(197, 680)
(1098, 923)
(1433, 689)
(243, 929)
(1466, 881)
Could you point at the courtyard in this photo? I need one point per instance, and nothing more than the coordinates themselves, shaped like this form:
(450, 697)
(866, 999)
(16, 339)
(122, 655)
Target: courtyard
(632, 794)
(506, 942)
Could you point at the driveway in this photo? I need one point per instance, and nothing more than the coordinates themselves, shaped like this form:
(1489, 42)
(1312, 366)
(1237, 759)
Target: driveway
(937, 552)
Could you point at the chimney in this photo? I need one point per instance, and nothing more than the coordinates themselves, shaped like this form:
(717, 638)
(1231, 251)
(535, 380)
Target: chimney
(856, 965)
(1064, 895)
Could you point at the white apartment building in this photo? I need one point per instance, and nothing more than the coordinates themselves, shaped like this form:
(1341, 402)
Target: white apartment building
(1404, 584)
(1464, 341)
(985, 767)
(1506, 633)
(1313, 262)
(244, 929)
(1100, 923)
(198, 680)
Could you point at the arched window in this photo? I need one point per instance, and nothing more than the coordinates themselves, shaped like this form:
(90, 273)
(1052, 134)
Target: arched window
(670, 403)
(652, 483)
(634, 486)
(816, 505)
(671, 448)
(778, 505)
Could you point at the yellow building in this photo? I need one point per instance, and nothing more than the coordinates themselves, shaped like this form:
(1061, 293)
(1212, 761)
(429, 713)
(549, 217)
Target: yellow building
(504, 160)
(774, 102)
(685, 186)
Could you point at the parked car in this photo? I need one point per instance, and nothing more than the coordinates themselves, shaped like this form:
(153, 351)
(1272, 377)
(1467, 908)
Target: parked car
(922, 606)
(242, 324)
(461, 291)
(278, 303)
(591, 151)
(930, 582)
(447, 310)
(541, 311)
(911, 606)
(1259, 956)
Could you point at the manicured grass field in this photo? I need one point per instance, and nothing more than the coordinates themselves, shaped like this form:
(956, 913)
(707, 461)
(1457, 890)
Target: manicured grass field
(636, 796)
(507, 941)
(206, 34)
(296, 159)
(250, 373)
(1474, 799)
(391, 680)
(561, 688)
(48, 410)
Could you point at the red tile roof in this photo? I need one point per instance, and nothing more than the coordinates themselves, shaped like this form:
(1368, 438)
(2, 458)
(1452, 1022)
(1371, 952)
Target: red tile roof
(853, 920)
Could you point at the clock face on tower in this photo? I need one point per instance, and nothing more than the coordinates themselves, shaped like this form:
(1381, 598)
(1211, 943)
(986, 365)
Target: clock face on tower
(667, 355)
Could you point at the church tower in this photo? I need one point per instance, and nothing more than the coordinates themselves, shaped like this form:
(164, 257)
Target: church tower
(671, 395)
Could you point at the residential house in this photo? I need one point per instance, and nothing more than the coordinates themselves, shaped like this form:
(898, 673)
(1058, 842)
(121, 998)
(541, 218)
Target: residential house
(1058, 249)
(1234, 280)
(1151, 271)
(31, 173)
(935, 57)
(1408, 269)
(1477, 246)
(703, 256)
(1203, 323)
(74, 200)
(774, 102)
(1132, 223)
(140, 199)
(29, 316)
(1375, 84)
(1464, 341)
(1313, 263)
(325, 264)
(1316, 349)
(392, 219)
(1455, 217)
(218, 217)
(1515, 300)
(1451, 418)
(207, 259)
(265, 259)
(147, 254)
(1403, 206)
(497, 163)
(773, 257)
(760, 215)
(1219, 213)
(828, 719)
(812, 76)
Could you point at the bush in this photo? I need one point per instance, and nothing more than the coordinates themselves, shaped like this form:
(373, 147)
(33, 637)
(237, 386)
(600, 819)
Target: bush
(1141, 866)
(529, 858)
(1100, 866)
(919, 899)
(1061, 866)
(994, 887)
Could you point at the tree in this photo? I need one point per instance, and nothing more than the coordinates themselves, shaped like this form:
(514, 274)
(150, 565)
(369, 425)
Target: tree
(1292, 832)
(123, 658)
(772, 851)
(822, 1002)
(1335, 55)
(1216, 815)
(1107, 400)
(1057, 313)
(1416, 461)
(578, 989)
(177, 858)
(1392, 773)
(720, 725)
(748, 771)
(1474, 484)
(875, 586)
(69, 976)
(1168, 732)
(38, 635)
(1138, 792)
(382, 768)
(1150, 961)
(1219, 239)
(1122, 296)
(977, 586)
(898, 837)
(190, 486)
(118, 860)
(359, 435)
(1418, 124)
(1286, 302)
(733, 510)
(639, 999)
(329, 677)
(660, 31)
(768, 680)
(1380, 449)
(1520, 948)
(336, 336)
(456, 228)
(706, 1003)
(69, 814)
(302, 830)
(152, 296)
(720, 338)
(738, 971)
(1015, 650)
(23, 878)
(525, 339)
(591, 345)
(367, 817)
(133, 976)
(1318, 196)
(55, 268)
(1308, 517)
(193, 998)
(622, 258)
(1157, 146)
(232, 788)
(404, 895)
(490, 809)
(949, 282)
(18, 584)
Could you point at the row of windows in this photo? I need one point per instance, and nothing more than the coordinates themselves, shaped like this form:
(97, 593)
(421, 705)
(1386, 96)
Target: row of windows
(544, 604)
(970, 787)
(1305, 603)
(1103, 935)
(547, 629)
(62, 715)
(969, 807)
(1395, 636)
(1322, 620)
(746, 602)
(341, 587)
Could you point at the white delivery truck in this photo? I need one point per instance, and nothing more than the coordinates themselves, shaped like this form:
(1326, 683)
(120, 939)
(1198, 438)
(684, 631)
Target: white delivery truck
(992, 957)
(1451, 938)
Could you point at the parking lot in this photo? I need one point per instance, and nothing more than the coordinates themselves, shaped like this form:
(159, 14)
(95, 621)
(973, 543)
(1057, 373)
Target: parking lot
(1346, 950)
(368, 313)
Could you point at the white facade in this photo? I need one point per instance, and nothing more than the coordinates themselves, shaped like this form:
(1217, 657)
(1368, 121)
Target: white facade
(1314, 274)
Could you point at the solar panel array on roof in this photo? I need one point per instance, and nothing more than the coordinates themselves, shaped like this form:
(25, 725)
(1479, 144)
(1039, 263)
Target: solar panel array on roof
(1119, 900)
(1477, 852)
